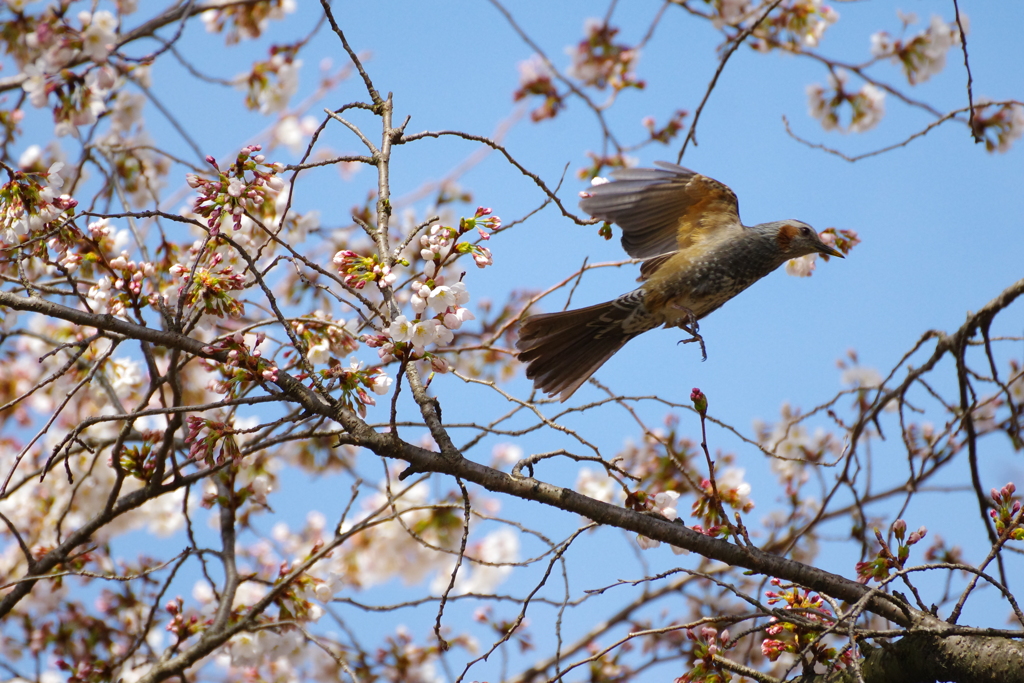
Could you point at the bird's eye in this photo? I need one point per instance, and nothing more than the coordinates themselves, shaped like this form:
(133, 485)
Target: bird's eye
(806, 231)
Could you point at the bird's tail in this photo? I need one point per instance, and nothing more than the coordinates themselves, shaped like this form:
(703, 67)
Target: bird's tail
(562, 350)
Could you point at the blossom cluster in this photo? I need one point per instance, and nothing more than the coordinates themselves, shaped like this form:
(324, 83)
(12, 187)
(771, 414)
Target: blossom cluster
(325, 338)
(795, 638)
(294, 133)
(441, 243)
(536, 79)
(209, 287)
(29, 207)
(266, 94)
(440, 310)
(50, 48)
(353, 381)
(246, 21)
(664, 462)
(115, 294)
(117, 281)
(598, 485)
(599, 62)
(1007, 513)
(596, 61)
(709, 644)
(796, 24)
(183, 625)
(664, 504)
(285, 648)
(206, 436)
(70, 67)
(138, 460)
(922, 56)
(357, 270)
(669, 131)
(867, 105)
(885, 559)
(244, 363)
(843, 240)
(999, 125)
(386, 550)
(141, 168)
(733, 490)
(234, 192)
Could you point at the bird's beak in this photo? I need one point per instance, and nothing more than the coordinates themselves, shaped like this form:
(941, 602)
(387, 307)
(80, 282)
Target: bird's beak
(829, 251)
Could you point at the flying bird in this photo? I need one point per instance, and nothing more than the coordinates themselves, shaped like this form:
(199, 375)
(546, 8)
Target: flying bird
(697, 255)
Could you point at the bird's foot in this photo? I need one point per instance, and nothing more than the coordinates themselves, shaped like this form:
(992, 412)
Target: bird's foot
(695, 338)
(693, 329)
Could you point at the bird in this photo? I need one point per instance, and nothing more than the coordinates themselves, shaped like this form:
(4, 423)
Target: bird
(696, 253)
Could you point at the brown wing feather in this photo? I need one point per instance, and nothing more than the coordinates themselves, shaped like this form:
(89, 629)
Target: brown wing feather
(648, 267)
(713, 207)
(662, 210)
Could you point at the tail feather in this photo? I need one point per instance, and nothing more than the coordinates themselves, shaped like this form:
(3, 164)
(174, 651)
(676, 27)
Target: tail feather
(562, 350)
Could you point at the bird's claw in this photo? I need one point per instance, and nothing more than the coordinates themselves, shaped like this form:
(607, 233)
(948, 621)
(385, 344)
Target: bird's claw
(695, 338)
(693, 328)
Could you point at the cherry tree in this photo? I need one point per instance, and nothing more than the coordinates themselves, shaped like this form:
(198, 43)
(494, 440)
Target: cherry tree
(262, 416)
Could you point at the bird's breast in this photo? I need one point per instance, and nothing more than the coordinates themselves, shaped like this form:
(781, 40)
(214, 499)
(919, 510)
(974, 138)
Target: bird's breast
(702, 282)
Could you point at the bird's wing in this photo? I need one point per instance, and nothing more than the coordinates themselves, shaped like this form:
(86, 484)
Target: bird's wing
(662, 210)
(652, 264)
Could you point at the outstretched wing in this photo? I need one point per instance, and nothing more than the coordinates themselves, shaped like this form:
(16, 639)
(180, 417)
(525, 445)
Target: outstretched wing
(663, 210)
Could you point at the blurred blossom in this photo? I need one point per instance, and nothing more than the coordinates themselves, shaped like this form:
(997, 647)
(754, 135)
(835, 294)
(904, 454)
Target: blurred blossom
(125, 376)
(867, 105)
(646, 543)
(665, 503)
(869, 108)
(734, 488)
(320, 352)
(382, 384)
(294, 133)
(924, 55)
(597, 485)
(98, 36)
(498, 547)
(801, 267)
(861, 377)
(998, 124)
(506, 455)
(730, 12)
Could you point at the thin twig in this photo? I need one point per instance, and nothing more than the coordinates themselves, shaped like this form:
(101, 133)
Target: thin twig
(970, 81)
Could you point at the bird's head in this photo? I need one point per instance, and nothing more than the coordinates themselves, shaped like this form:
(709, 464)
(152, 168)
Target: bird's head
(796, 239)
